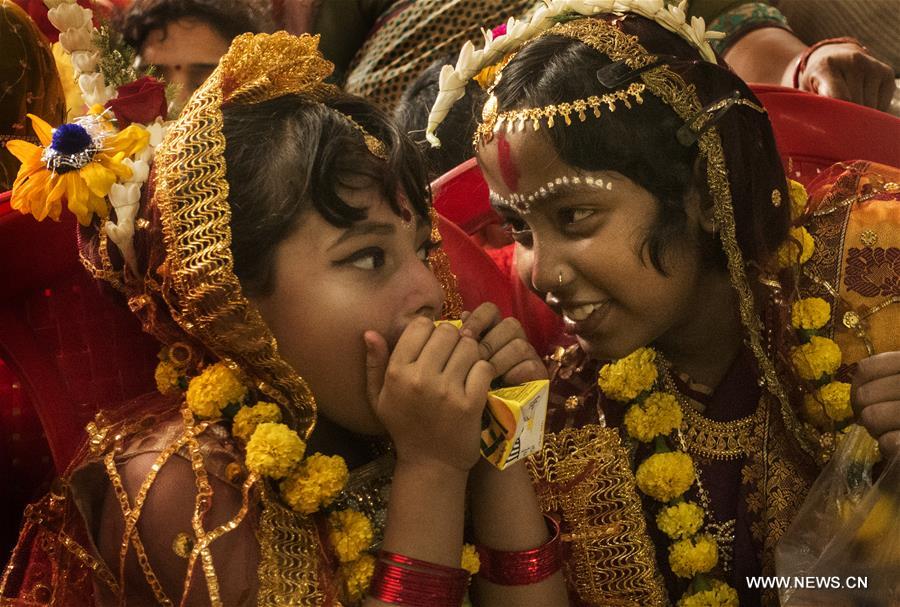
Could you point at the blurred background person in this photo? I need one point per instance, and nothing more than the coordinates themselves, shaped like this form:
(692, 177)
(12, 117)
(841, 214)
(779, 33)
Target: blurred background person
(184, 39)
(29, 83)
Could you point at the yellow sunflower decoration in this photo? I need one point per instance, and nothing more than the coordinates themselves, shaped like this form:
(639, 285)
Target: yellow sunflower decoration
(77, 162)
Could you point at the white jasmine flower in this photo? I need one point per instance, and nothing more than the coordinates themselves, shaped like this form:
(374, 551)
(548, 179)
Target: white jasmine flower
(77, 39)
(70, 16)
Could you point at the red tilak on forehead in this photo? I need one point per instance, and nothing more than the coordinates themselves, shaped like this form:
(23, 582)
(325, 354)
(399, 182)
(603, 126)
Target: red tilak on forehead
(508, 169)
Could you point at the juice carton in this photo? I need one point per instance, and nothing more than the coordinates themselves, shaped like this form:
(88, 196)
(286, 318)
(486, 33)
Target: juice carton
(513, 425)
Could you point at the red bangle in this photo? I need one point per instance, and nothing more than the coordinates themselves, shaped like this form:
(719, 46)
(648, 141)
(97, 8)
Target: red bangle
(804, 58)
(401, 580)
(525, 567)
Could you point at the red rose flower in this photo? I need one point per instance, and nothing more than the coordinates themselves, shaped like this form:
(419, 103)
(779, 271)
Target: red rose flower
(141, 101)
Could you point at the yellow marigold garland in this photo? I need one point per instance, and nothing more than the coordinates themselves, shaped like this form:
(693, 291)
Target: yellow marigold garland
(719, 594)
(835, 396)
(315, 483)
(470, 560)
(799, 198)
(356, 576)
(248, 418)
(682, 520)
(274, 450)
(667, 474)
(814, 410)
(693, 555)
(213, 390)
(790, 254)
(811, 313)
(168, 378)
(629, 377)
(350, 533)
(658, 415)
(817, 359)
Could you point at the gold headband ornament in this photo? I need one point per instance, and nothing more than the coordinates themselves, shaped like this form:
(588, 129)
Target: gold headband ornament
(453, 79)
(516, 120)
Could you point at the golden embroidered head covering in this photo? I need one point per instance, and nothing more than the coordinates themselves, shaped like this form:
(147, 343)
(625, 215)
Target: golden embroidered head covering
(191, 195)
(29, 83)
(715, 107)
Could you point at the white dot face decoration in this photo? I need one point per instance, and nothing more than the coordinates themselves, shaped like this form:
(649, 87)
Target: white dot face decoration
(521, 202)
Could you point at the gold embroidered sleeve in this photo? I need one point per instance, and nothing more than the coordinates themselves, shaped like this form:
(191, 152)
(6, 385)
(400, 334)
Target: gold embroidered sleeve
(173, 516)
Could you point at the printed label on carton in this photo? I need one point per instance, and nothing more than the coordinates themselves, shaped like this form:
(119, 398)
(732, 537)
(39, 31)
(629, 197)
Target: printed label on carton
(513, 424)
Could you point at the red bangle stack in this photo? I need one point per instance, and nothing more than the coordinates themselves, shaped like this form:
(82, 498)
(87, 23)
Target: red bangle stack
(804, 58)
(525, 567)
(401, 580)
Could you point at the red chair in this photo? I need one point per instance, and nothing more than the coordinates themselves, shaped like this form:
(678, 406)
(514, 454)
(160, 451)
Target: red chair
(481, 279)
(814, 132)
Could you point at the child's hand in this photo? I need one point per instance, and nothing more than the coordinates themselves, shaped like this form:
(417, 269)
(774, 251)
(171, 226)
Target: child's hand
(504, 345)
(876, 399)
(429, 393)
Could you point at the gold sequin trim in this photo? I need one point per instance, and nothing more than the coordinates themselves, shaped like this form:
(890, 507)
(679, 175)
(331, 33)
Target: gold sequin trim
(868, 238)
(199, 283)
(440, 266)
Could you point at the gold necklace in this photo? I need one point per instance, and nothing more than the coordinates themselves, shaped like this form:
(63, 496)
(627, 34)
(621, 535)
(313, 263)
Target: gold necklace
(713, 439)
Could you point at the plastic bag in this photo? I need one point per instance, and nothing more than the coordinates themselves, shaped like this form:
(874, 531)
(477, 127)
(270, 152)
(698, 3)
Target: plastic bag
(843, 547)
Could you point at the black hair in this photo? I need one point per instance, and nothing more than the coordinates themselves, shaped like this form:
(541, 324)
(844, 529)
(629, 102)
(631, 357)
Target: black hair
(229, 18)
(289, 155)
(642, 144)
(457, 129)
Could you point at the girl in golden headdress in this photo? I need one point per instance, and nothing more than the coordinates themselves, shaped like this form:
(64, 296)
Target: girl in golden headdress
(314, 431)
(641, 183)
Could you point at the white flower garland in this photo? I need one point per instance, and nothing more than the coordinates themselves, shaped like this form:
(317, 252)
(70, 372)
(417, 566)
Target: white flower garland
(453, 79)
(75, 24)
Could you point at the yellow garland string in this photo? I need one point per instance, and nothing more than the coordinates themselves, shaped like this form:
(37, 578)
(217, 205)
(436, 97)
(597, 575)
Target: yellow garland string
(816, 358)
(667, 474)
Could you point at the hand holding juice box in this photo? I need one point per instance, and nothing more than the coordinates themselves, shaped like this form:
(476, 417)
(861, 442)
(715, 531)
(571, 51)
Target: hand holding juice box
(513, 421)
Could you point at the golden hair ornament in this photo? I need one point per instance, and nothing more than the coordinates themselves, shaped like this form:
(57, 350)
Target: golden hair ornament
(453, 78)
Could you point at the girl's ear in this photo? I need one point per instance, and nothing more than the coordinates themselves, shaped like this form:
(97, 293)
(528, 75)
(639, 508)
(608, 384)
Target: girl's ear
(699, 208)
(698, 204)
